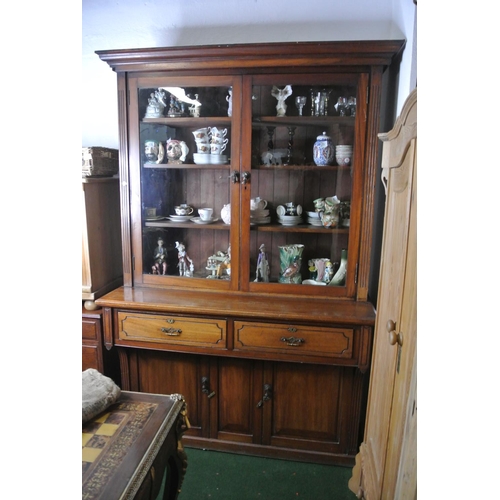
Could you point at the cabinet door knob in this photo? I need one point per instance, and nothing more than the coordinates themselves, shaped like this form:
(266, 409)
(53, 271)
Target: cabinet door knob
(235, 177)
(394, 337)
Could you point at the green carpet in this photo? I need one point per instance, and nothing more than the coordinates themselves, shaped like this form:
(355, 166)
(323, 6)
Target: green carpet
(227, 476)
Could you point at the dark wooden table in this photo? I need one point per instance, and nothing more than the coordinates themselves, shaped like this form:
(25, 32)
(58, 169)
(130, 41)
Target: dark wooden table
(130, 448)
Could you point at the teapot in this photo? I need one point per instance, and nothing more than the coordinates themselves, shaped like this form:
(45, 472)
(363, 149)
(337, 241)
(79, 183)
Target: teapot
(258, 203)
(225, 214)
(176, 151)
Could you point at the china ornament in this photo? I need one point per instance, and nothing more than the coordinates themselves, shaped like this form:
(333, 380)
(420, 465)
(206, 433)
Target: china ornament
(323, 150)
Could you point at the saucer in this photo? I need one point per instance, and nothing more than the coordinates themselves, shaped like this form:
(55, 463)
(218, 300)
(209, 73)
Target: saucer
(180, 218)
(290, 218)
(198, 220)
(218, 159)
(264, 212)
(156, 217)
(314, 222)
(260, 220)
(313, 215)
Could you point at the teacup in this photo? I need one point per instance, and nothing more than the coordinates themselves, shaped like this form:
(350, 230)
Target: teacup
(206, 213)
(319, 203)
(217, 148)
(218, 133)
(291, 208)
(202, 134)
(183, 209)
(203, 147)
(258, 203)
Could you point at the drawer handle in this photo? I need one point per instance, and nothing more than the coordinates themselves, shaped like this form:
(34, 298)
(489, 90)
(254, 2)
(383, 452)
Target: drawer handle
(172, 332)
(292, 341)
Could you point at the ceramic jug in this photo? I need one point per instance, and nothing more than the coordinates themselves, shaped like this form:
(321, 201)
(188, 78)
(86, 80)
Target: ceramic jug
(176, 151)
(290, 263)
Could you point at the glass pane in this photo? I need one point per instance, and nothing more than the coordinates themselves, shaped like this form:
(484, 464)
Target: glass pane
(185, 140)
(302, 166)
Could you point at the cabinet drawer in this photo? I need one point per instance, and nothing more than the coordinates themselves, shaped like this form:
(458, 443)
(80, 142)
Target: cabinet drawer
(90, 329)
(173, 330)
(292, 339)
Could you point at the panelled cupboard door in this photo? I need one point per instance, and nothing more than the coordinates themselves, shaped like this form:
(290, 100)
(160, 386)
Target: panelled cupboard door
(386, 462)
(158, 372)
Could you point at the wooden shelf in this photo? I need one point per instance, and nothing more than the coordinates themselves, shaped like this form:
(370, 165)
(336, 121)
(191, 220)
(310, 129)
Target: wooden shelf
(188, 121)
(189, 166)
(299, 121)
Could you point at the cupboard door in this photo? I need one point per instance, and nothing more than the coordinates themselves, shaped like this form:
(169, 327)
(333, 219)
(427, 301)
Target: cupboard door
(386, 450)
(301, 210)
(238, 413)
(171, 373)
(313, 407)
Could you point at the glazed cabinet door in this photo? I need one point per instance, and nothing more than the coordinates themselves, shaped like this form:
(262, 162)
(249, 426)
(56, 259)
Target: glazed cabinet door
(304, 161)
(184, 169)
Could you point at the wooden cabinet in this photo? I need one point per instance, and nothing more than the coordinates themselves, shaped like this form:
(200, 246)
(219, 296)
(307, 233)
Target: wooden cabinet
(386, 464)
(240, 313)
(101, 238)
(94, 353)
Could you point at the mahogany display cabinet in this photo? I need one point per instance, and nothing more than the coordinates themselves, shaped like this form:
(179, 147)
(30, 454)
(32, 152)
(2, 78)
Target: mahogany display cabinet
(272, 358)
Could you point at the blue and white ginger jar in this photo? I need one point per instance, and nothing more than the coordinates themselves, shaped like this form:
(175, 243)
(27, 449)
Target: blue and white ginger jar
(323, 151)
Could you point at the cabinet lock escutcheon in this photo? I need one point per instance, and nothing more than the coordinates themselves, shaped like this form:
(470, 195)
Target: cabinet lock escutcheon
(172, 332)
(268, 392)
(245, 177)
(292, 341)
(205, 388)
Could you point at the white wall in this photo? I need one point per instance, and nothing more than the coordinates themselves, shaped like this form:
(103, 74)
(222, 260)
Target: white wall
(123, 24)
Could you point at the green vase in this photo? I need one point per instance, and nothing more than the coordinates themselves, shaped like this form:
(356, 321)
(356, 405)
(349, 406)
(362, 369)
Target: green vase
(340, 275)
(290, 263)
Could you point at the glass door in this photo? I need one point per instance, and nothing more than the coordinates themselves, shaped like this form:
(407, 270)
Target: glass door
(302, 213)
(184, 148)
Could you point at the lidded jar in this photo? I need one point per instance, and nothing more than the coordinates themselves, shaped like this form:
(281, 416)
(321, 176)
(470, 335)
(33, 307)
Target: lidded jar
(323, 150)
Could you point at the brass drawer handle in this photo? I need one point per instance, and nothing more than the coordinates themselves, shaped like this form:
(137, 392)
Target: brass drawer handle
(292, 341)
(172, 332)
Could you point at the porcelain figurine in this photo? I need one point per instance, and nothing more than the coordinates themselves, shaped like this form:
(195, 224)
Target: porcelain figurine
(194, 109)
(281, 95)
(156, 104)
(183, 257)
(219, 264)
(263, 271)
(160, 258)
